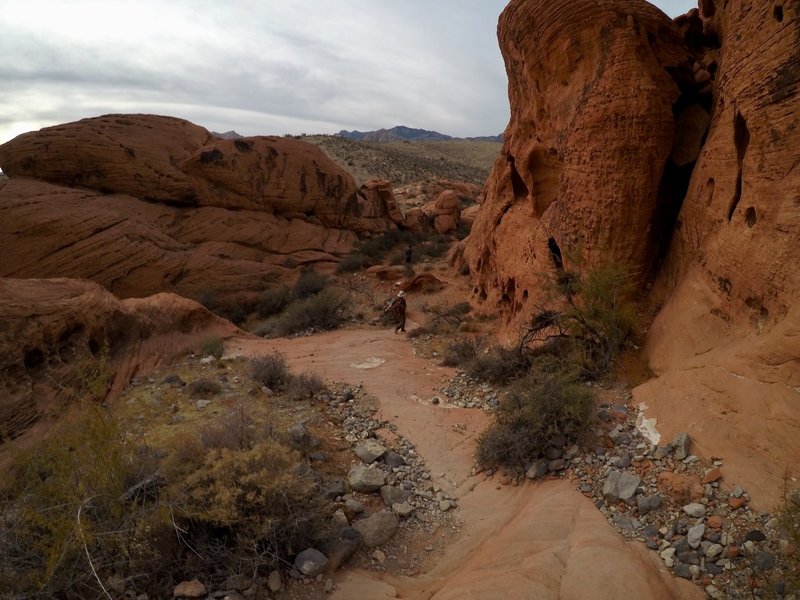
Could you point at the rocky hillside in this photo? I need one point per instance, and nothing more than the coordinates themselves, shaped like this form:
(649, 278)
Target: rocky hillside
(407, 162)
(395, 134)
(648, 142)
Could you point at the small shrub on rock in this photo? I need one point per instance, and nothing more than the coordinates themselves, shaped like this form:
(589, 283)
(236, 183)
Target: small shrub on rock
(309, 283)
(271, 370)
(352, 263)
(274, 301)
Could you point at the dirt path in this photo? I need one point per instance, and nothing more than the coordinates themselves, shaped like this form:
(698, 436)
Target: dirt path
(539, 540)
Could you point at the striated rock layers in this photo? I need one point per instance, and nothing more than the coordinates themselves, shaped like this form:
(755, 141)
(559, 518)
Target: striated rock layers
(58, 337)
(725, 344)
(673, 147)
(143, 204)
(592, 87)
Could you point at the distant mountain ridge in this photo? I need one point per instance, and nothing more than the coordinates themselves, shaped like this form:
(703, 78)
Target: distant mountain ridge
(402, 133)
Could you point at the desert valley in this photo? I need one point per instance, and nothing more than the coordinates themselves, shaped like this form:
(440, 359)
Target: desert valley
(593, 393)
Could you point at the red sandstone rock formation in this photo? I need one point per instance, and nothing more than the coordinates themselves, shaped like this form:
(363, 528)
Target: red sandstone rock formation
(673, 147)
(52, 329)
(725, 342)
(592, 88)
(143, 204)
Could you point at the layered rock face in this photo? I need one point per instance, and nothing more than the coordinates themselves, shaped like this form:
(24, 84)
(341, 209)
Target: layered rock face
(55, 333)
(672, 147)
(725, 342)
(592, 86)
(143, 204)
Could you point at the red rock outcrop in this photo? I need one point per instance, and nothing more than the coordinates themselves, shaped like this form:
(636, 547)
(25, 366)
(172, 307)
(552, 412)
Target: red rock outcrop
(51, 328)
(141, 204)
(447, 212)
(673, 147)
(725, 342)
(592, 89)
(137, 248)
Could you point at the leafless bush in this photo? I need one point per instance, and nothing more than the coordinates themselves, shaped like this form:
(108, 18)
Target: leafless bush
(270, 370)
(305, 386)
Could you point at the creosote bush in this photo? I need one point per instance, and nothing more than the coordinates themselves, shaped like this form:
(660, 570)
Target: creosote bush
(548, 404)
(274, 301)
(305, 386)
(322, 311)
(271, 370)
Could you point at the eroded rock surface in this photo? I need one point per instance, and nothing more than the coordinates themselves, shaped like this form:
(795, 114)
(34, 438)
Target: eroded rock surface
(592, 88)
(672, 147)
(143, 204)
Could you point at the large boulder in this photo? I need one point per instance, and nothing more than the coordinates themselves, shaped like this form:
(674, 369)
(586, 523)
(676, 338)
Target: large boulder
(143, 204)
(592, 89)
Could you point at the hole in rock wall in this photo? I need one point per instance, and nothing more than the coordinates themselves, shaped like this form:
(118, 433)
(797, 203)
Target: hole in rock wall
(525, 295)
(517, 185)
(33, 358)
(555, 253)
(671, 193)
(777, 12)
(750, 216)
(741, 139)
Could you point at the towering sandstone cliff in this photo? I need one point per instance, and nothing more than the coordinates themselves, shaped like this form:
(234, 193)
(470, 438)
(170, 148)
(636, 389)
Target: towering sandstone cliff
(673, 147)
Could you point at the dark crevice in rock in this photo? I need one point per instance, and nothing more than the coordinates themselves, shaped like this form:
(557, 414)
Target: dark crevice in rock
(671, 195)
(555, 253)
(741, 139)
(517, 184)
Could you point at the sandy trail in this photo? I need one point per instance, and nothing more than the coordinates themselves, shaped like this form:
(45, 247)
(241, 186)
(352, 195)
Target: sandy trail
(539, 540)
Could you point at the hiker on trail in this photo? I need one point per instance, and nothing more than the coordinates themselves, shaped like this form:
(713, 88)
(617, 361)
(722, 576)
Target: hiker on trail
(398, 307)
(407, 255)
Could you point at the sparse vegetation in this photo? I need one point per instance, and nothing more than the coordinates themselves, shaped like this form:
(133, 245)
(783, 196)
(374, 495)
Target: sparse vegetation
(462, 351)
(305, 386)
(323, 311)
(213, 346)
(274, 301)
(270, 370)
(562, 346)
(548, 404)
(309, 283)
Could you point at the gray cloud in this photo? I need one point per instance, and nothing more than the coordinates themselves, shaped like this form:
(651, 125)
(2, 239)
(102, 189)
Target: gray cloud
(257, 66)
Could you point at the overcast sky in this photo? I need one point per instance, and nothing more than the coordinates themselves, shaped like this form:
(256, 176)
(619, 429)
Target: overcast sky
(258, 66)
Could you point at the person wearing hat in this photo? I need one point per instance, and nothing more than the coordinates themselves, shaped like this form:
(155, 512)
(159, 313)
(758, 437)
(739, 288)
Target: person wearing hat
(398, 307)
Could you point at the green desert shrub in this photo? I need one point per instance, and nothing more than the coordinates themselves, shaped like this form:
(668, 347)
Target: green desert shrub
(500, 365)
(249, 499)
(352, 263)
(274, 301)
(322, 311)
(309, 283)
(64, 511)
(596, 312)
(546, 405)
(213, 346)
(271, 370)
